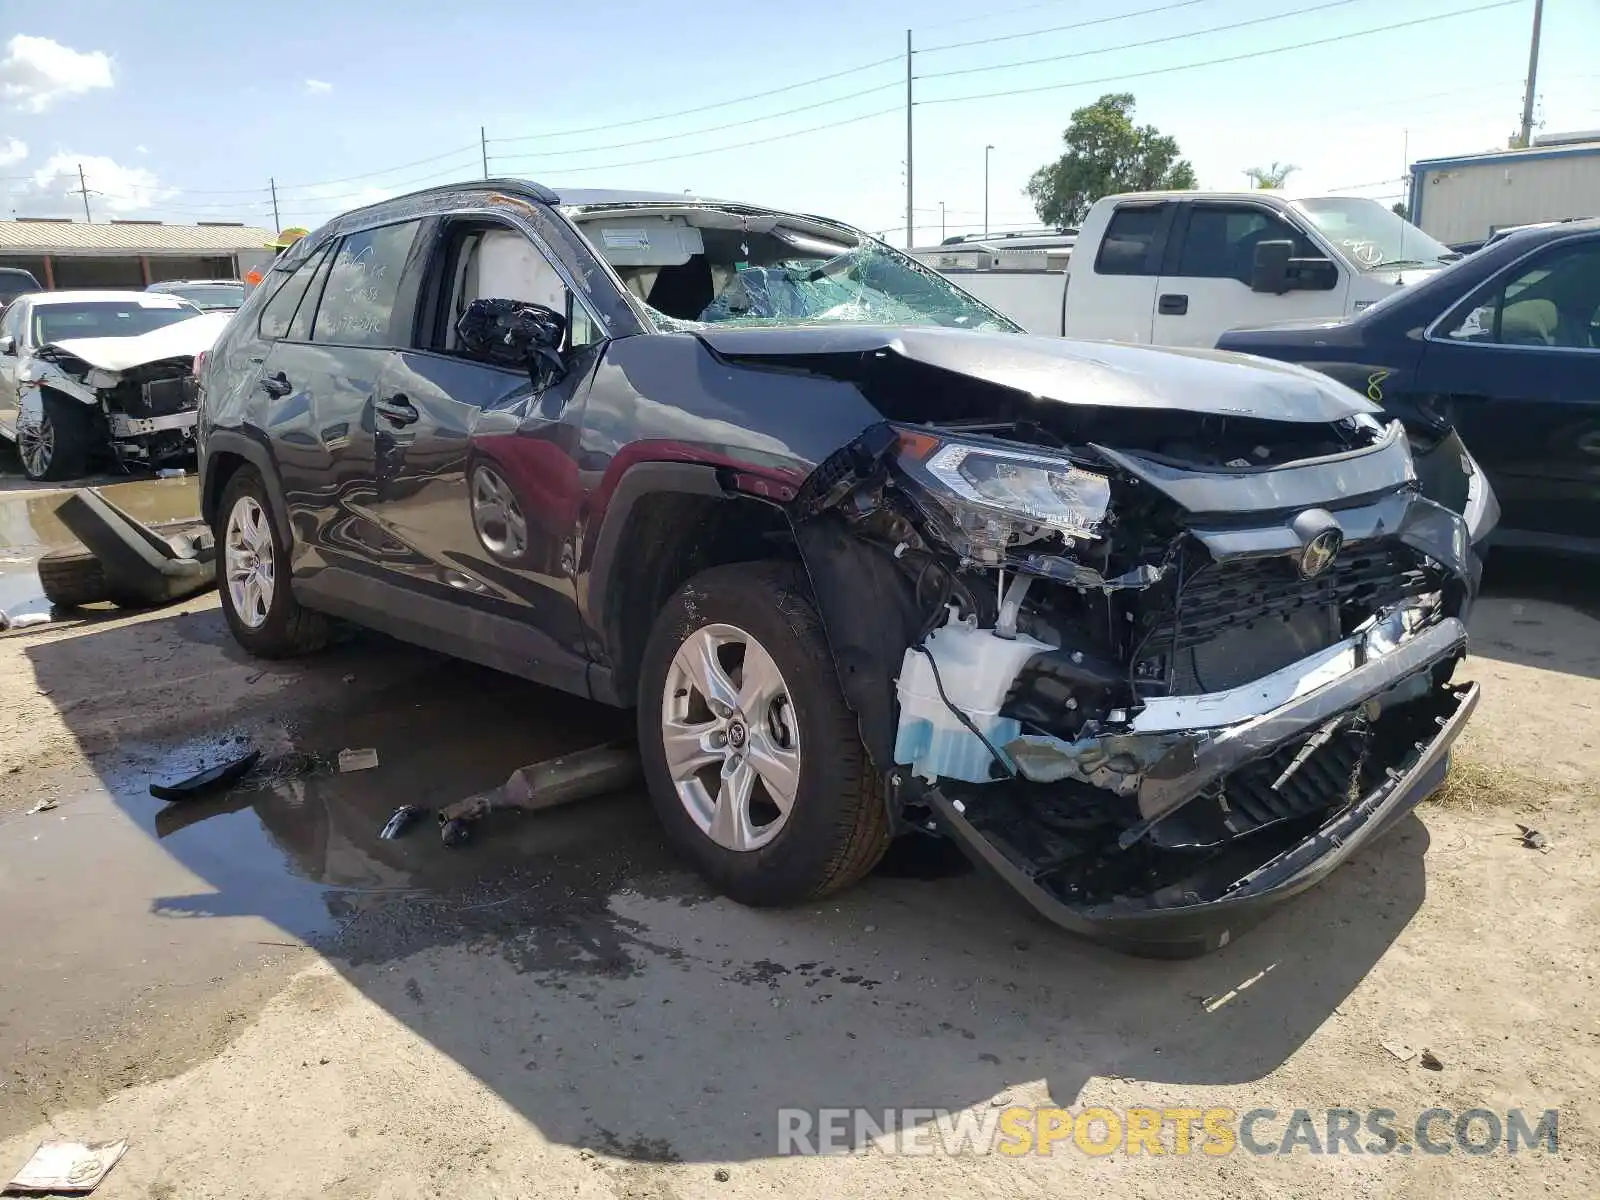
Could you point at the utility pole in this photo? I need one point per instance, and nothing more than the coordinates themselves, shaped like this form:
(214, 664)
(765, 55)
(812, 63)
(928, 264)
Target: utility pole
(910, 219)
(941, 221)
(277, 223)
(483, 144)
(987, 150)
(1533, 74)
(83, 190)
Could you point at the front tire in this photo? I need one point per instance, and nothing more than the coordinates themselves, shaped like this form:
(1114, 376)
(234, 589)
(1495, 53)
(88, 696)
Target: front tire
(57, 446)
(753, 759)
(253, 575)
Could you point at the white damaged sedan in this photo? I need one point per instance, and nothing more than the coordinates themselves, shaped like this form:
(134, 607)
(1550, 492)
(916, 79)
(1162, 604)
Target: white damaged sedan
(88, 375)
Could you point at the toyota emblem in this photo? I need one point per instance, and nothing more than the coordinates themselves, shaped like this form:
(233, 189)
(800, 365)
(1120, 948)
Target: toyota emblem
(1320, 552)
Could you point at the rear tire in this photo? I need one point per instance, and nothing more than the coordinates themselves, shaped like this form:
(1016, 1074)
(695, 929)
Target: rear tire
(72, 578)
(58, 447)
(253, 575)
(836, 826)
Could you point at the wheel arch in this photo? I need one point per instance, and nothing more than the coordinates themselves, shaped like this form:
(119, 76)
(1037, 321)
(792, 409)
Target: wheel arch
(226, 452)
(665, 523)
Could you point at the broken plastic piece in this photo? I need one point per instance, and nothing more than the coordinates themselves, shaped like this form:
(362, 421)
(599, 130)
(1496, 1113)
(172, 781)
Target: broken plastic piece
(25, 620)
(140, 567)
(44, 805)
(67, 1167)
(401, 820)
(208, 780)
(357, 760)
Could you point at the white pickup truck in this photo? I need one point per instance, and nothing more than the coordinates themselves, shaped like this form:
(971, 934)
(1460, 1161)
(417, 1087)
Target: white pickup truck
(1182, 268)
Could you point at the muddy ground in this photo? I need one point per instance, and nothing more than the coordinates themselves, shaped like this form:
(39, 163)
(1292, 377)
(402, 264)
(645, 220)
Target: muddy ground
(267, 1000)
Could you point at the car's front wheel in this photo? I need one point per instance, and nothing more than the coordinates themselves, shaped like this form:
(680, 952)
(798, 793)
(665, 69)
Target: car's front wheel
(253, 575)
(753, 759)
(55, 445)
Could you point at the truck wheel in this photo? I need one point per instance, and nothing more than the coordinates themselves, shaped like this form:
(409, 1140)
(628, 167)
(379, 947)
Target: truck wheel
(752, 757)
(253, 575)
(57, 445)
(72, 578)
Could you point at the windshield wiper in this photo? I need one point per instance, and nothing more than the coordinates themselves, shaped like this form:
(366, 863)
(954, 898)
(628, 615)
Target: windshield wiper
(1397, 262)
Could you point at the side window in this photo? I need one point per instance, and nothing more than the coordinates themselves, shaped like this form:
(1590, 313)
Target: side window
(1222, 238)
(358, 299)
(1554, 302)
(300, 327)
(1130, 235)
(279, 312)
(502, 264)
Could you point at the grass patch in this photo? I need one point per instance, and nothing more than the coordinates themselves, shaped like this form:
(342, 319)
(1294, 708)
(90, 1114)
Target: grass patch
(1475, 784)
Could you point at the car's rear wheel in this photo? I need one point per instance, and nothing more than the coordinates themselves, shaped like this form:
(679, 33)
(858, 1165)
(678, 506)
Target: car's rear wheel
(753, 759)
(55, 445)
(253, 557)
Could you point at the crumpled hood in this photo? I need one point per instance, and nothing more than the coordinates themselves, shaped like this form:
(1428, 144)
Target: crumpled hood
(1104, 374)
(182, 339)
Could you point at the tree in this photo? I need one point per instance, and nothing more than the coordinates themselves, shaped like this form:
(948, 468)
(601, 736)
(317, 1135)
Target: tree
(1271, 177)
(1106, 153)
(1399, 209)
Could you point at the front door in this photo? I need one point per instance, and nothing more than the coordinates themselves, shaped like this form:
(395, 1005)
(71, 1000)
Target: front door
(1204, 288)
(476, 469)
(11, 326)
(1518, 370)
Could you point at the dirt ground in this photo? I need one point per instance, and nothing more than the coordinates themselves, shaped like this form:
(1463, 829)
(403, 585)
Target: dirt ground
(267, 1000)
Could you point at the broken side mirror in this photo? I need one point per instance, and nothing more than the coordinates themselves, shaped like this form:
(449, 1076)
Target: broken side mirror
(516, 333)
(1269, 272)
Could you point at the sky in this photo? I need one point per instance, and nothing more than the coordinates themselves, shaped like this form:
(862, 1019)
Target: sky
(185, 111)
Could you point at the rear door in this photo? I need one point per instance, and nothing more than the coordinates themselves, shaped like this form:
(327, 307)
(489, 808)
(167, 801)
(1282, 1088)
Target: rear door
(476, 462)
(1204, 288)
(321, 377)
(1113, 297)
(1518, 367)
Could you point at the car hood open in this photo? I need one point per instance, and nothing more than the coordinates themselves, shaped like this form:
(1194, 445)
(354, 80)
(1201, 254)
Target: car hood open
(183, 339)
(1103, 374)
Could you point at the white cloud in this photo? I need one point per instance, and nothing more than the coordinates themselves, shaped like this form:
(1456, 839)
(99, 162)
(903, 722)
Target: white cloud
(318, 87)
(114, 190)
(12, 151)
(141, 150)
(36, 72)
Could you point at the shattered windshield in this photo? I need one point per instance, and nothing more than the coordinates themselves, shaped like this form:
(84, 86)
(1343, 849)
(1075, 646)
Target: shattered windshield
(695, 267)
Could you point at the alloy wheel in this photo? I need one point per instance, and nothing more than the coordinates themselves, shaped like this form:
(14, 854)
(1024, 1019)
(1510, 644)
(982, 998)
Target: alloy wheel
(36, 443)
(731, 736)
(250, 560)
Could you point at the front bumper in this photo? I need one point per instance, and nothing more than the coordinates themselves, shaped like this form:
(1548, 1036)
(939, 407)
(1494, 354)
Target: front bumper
(1161, 926)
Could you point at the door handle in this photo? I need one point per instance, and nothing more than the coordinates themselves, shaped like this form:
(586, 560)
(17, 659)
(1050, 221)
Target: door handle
(1172, 305)
(276, 385)
(397, 410)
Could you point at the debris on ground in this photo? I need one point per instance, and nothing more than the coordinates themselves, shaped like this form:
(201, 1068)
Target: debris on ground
(171, 473)
(1533, 839)
(209, 780)
(401, 820)
(1402, 1052)
(44, 805)
(548, 784)
(357, 760)
(27, 620)
(1430, 1061)
(72, 1168)
(721, 1175)
(135, 565)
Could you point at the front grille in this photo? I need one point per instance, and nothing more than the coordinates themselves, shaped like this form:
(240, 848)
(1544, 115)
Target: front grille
(1220, 596)
(1329, 778)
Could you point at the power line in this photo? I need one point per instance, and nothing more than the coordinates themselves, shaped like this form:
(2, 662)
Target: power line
(642, 162)
(686, 112)
(1156, 41)
(1011, 37)
(670, 137)
(989, 16)
(1232, 58)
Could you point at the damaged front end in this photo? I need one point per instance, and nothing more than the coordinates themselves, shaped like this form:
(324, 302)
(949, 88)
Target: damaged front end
(140, 391)
(1159, 672)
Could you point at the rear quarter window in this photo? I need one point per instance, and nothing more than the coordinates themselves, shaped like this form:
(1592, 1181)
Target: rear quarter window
(1129, 237)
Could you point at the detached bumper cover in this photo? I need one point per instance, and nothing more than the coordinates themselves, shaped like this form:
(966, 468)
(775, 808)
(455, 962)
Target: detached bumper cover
(1178, 930)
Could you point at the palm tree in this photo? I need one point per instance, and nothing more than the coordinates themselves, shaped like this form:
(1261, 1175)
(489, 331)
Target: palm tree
(1273, 176)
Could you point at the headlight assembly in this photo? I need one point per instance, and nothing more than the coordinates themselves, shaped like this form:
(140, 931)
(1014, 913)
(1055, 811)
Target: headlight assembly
(995, 498)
